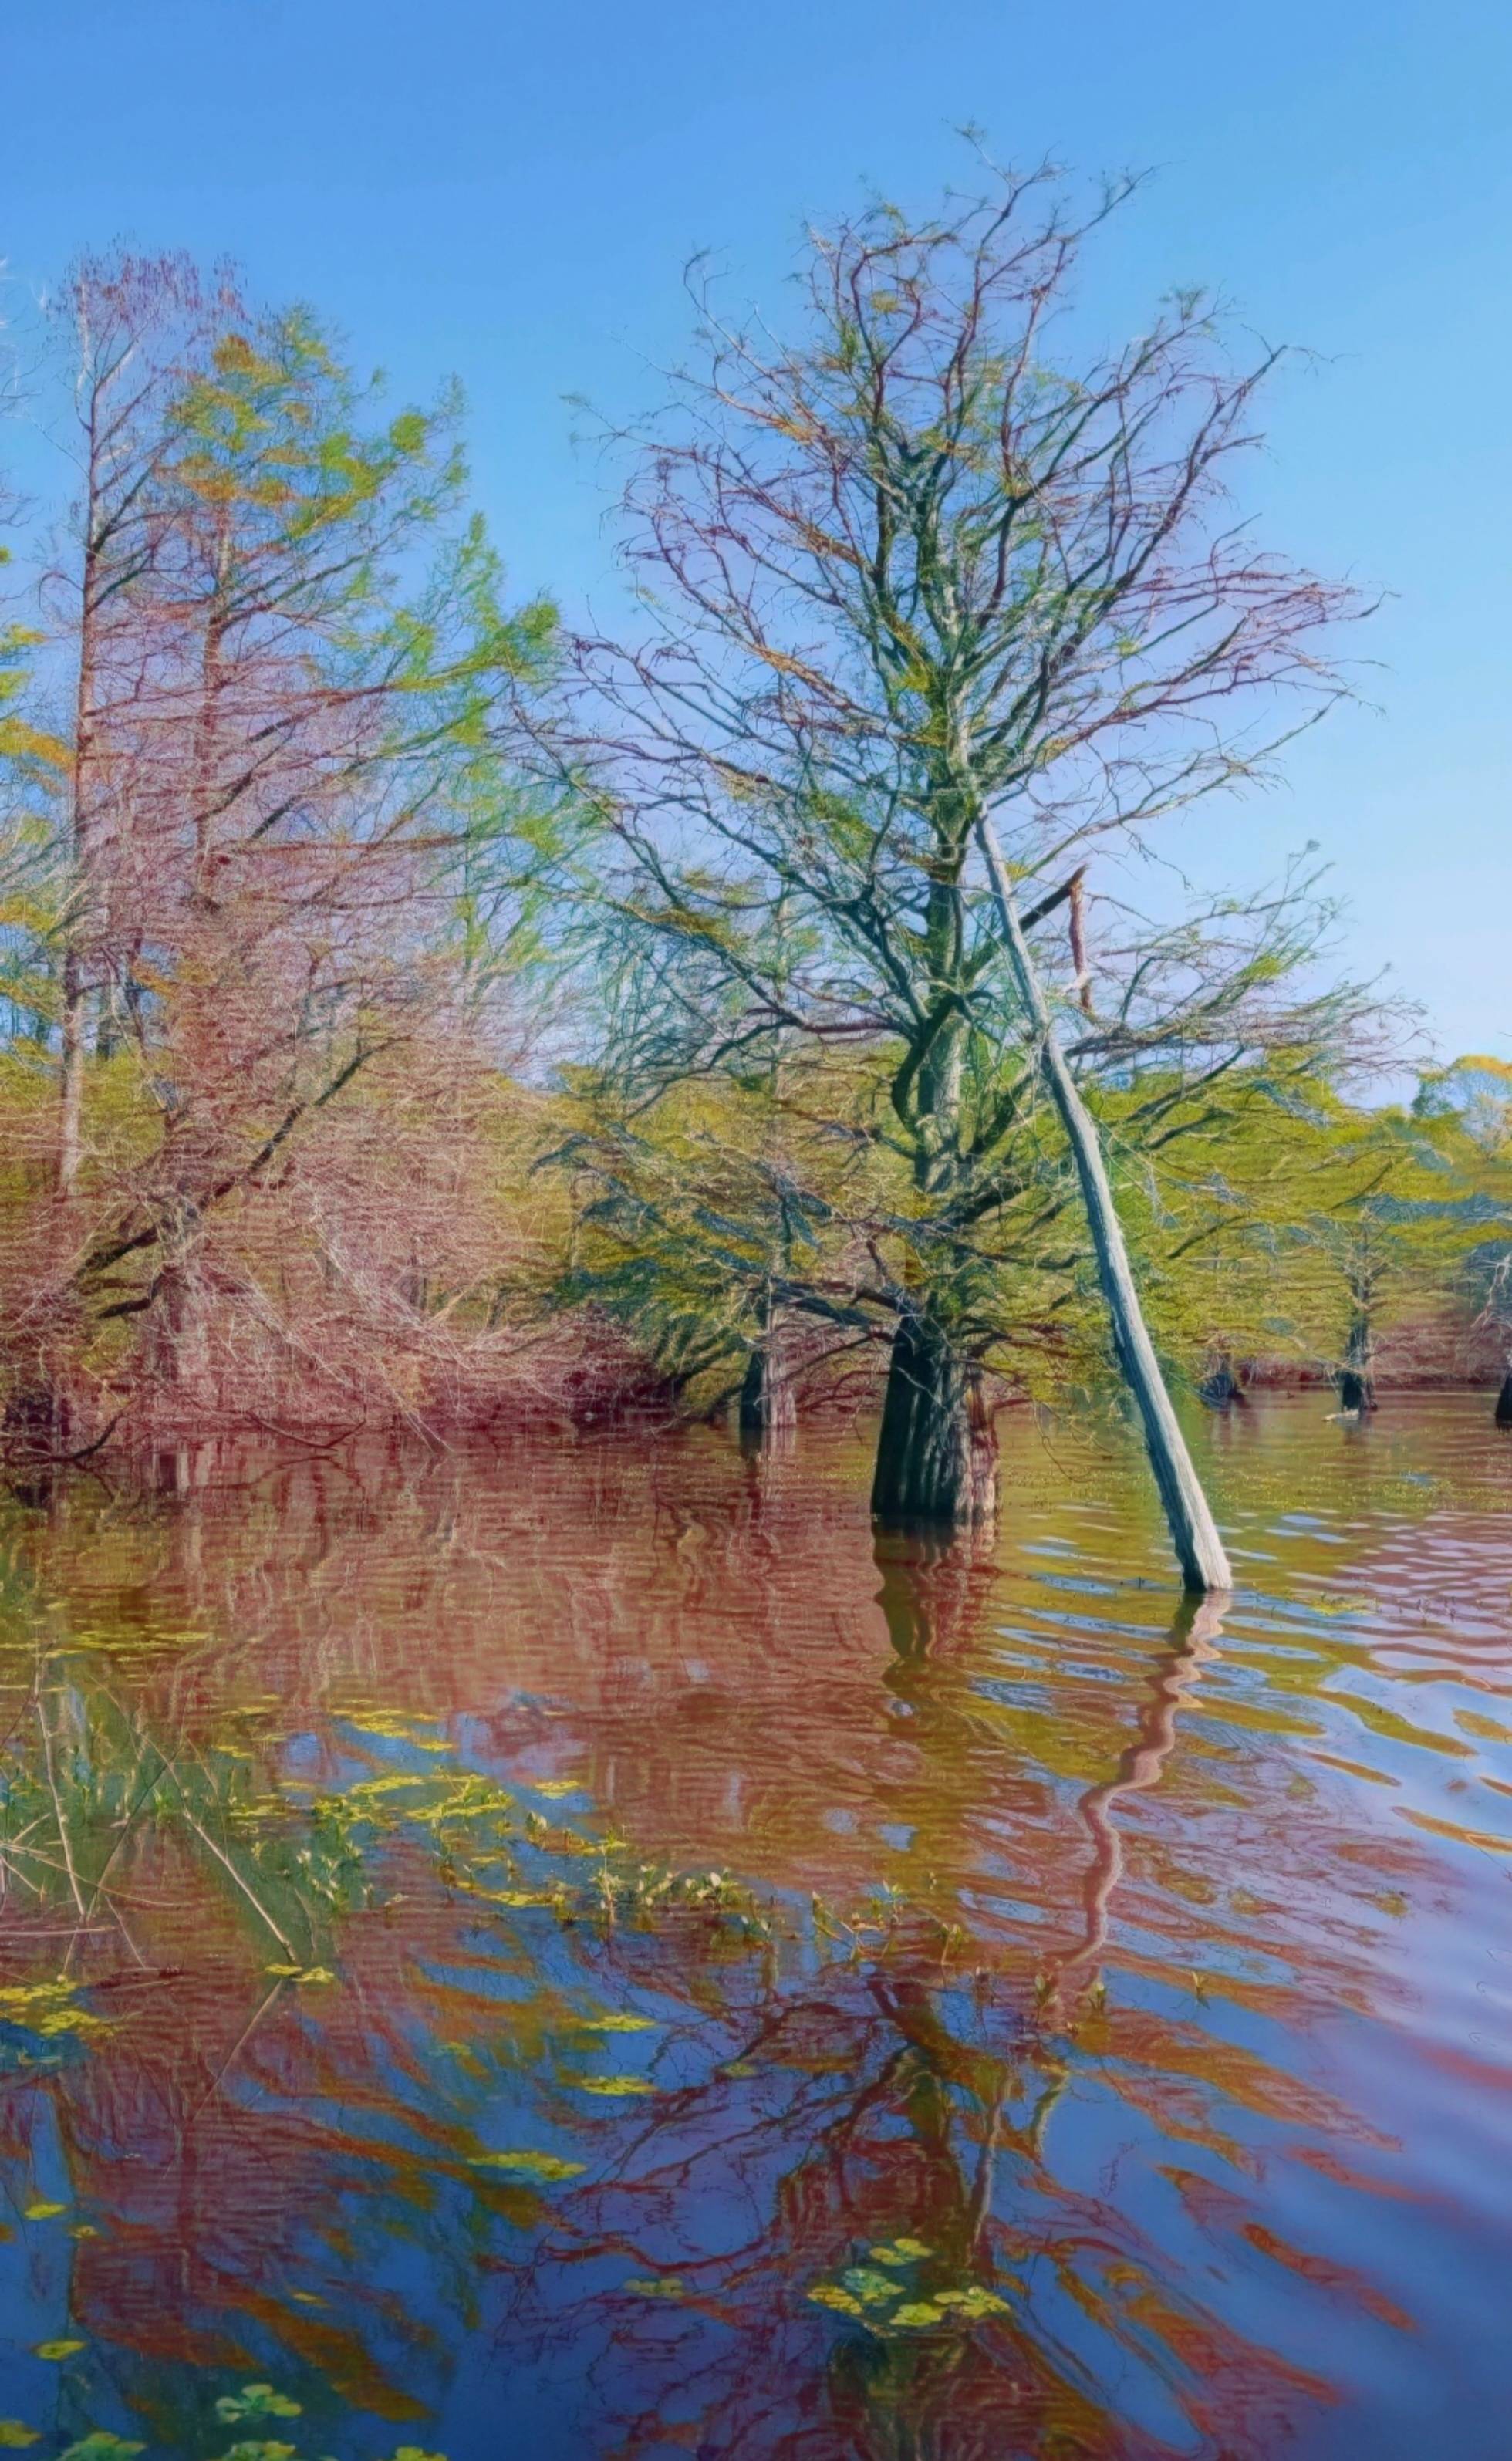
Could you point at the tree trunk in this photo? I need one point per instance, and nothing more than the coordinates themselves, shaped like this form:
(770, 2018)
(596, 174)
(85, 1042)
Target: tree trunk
(71, 1074)
(1356, 1382)
(81, 920)
(768, 1405)
(173, 1346)
(1194, 1534)
(1221, 1388)
(936, 1454)
(1503, 1414)
(36, 1417)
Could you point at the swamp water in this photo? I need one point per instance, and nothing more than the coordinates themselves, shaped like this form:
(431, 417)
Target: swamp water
(580, 1952)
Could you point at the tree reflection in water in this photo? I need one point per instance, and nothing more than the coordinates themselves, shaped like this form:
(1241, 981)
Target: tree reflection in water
(583, 1960)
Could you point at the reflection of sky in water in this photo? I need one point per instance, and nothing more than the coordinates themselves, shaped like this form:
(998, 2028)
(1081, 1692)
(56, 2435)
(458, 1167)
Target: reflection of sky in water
(666, 1928)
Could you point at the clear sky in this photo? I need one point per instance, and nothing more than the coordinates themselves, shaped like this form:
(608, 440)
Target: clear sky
(509, 193)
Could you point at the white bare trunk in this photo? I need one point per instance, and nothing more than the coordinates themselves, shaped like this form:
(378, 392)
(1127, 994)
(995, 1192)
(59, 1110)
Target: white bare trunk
(1194, 1534)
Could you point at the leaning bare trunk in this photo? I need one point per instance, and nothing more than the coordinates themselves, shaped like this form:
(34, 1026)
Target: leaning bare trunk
(1194, 1534)
(936, 1454)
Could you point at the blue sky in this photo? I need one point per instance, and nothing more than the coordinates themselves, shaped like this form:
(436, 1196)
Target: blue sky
(509, 194)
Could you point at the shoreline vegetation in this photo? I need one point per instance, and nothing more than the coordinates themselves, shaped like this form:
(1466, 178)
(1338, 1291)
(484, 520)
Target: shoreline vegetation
(417, 1012)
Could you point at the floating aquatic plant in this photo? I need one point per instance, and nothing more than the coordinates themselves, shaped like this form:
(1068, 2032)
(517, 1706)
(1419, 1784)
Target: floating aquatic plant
(547, 2167)
(898, 2290)
(256, 2401)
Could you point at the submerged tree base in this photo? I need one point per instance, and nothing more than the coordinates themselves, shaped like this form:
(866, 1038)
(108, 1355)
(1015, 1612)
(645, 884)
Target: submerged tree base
(1220, 1387)
(936, 1453)
(768, 1404)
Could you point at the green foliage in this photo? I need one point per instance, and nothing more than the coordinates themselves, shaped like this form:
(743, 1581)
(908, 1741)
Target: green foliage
(792, 1096)
(907, 573)
(1289, 1225)
(346, 534)
(333, 857)
(700, 1213)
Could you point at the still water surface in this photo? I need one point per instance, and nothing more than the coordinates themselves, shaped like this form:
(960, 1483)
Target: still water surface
(581, 1952)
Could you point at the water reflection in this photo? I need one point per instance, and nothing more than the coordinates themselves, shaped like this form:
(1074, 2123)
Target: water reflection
(587, 1936)
(1194, 1638)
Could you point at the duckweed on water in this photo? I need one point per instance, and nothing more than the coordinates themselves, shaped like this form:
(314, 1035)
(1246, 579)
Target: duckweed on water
(914, 2294)
(546, 2168)
(256, 2401)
